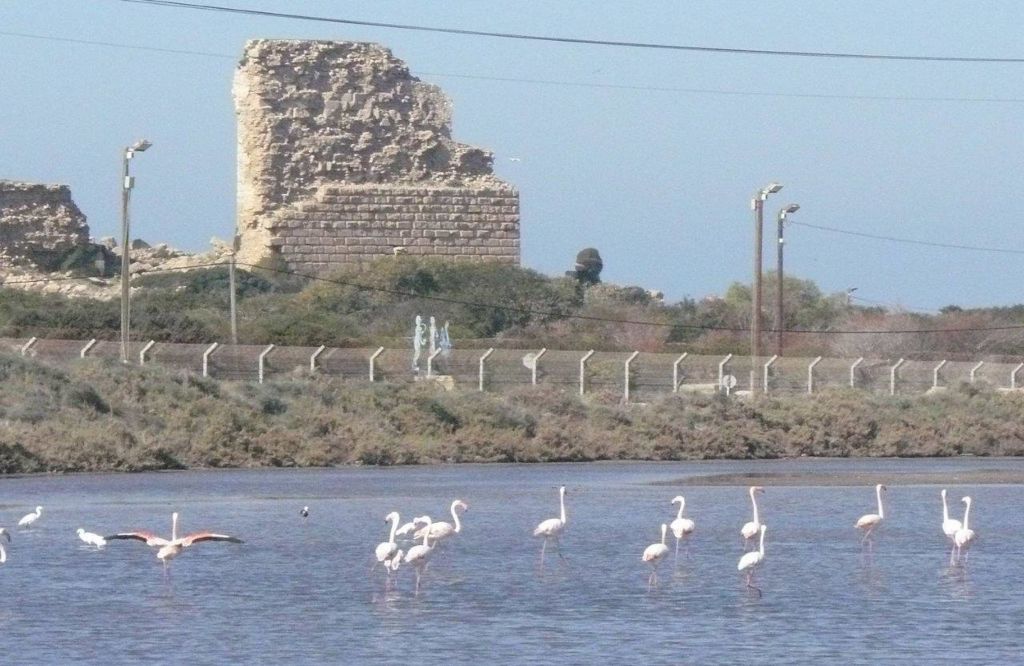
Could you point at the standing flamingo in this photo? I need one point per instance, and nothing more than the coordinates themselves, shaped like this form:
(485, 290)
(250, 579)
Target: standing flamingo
(418, 556)
(750, 530)
(3, 553)
(750, 561)
(169, 549)
(950, 526)
(870, 521)
(28, 519)
(965, 535)
(442, 530)
(653, 555)
(681, 527)
(387, 550)
(552, 528)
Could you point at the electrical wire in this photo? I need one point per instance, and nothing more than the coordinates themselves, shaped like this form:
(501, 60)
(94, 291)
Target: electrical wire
(910, 241)
(570, 40)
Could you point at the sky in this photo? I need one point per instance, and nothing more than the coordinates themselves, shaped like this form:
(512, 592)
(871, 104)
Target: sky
(649, 155)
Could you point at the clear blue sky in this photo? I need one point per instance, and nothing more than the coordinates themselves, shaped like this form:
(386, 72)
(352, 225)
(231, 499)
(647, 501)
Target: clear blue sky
(659, 181)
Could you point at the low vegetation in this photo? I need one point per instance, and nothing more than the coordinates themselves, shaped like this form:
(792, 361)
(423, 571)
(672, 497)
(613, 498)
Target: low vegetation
(93, 416)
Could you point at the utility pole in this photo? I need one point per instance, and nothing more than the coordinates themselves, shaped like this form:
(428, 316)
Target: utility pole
(127, 183)
(779, 319)
(757, 205)
(231, 287)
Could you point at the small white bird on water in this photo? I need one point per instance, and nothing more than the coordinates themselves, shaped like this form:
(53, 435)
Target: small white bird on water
(3, 553)
(91, 538)
(304, 512)
(28, 519)
(750, 561)
(552, 528)
(653, 555)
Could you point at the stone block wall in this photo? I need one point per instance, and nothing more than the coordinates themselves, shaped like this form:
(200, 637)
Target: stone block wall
(352, 224)
(38, 223)
(344, 156)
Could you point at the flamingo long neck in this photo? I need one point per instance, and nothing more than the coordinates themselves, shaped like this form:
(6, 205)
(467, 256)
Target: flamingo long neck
(878, 492)
(426, 534)
(394, 528)
(174, 527)
(761, 546)
(664, 532)
(682, 503)
(455, 517)
(753, 500)
(561, 503)
(967, 512)
(945, 508)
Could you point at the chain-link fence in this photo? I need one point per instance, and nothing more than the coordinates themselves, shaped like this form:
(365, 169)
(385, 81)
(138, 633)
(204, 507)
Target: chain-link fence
(634, 376)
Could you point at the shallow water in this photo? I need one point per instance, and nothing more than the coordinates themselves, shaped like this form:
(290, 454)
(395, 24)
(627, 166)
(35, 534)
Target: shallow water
(300, 591)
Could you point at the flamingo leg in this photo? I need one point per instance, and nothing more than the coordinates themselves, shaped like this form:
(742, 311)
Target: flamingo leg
(558, 548)
(750, 584)
(543, 547)
(676, 561)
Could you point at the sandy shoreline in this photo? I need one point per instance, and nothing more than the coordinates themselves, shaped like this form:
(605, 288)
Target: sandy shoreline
(892, 477)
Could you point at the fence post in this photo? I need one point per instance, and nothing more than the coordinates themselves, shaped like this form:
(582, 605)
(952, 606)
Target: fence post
(28, 345)
(263, 356)
(373, 358)
(764, 374)
(675, 372)
(892, 376)
(721, 375)
(1013, 375)
(810, 375)
(313, 356)
(142, 352)
(206, 358)
(536, 361)
(935, 374)
(86, 348)
(625, 388)
(482, 359)
(853, 372)
(583, 370)
(430, 363)
(975, 369)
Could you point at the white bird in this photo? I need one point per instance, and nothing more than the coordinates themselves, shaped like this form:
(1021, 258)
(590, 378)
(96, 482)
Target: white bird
(387, 550)
(950, 526)
(91, 538)
(304, 512)
(407, 529)
(171, 548)
(442, 530)
(419, 555)
(3, 553)
(750, 530)
(681, 527)
(28, 519)
(750, 561)
(869, 521)
(965, 535)
(552, 528)
(653, 555)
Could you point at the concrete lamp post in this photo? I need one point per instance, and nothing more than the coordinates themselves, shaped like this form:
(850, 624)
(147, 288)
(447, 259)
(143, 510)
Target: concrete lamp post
(787, 210)
(757, 205)
(127, 183)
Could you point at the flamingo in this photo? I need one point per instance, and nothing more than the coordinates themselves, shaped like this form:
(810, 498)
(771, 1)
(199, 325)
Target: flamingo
(91, 538)
(750, 561)
(3, 553)
(28, 519)
(653, 555)
(681, 527)
(442, 530)
(419, 555)
(965, 535)
(750, 530)
(171, 548)
(950, 526)
(408, 528)
(388, 550)
(870, 521)
(552, 528)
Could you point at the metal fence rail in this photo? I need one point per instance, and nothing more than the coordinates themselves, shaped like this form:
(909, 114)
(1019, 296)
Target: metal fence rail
(635, 376)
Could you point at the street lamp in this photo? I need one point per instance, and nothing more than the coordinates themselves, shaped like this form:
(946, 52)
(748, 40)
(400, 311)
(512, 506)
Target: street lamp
(127, 182)
(787, 210)
(757, 205)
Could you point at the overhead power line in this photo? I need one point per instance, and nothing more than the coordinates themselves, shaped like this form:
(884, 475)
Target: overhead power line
(895, 239)
(571, 40)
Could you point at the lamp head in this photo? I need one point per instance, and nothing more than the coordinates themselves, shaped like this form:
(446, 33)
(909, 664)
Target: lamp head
(141, 145)
(791, 208)
(770, 188)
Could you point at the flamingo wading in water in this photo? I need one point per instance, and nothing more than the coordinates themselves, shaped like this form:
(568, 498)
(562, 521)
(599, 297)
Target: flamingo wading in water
(965, 535)
(419, 555)
(950, 526)
(388, 550)
(750, 530)
(442, 530)
(171, 548)
(750, 561)
(3, 553)
(869, 521)
(653, 555)
(552, 528)
(681, 527)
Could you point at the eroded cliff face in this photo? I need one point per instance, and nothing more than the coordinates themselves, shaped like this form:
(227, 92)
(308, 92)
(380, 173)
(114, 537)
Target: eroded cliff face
(39, 224)
(322, 124)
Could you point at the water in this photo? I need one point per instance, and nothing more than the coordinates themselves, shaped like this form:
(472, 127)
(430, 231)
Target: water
(300, 592)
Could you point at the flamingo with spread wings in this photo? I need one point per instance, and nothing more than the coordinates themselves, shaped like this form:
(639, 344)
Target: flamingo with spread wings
(171, 548)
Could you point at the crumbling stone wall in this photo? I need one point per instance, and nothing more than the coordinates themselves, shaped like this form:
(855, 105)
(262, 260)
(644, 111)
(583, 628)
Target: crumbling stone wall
(344, 156)
(39, 224)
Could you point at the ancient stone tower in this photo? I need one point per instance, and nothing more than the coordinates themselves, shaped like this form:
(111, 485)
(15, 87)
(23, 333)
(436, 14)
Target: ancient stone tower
(343, 157)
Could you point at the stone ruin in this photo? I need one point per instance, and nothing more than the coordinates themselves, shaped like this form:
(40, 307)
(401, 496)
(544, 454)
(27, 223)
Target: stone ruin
(344, 156)
(39, 224)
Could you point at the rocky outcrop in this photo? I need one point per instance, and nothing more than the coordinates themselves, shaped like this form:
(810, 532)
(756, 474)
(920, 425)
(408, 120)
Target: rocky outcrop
(343, 156)
(39, 224)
